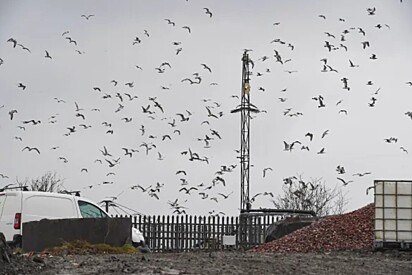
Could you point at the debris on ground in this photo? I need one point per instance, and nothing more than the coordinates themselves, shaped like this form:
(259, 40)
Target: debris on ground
(5, 251)
(350, 231)
(11, 263)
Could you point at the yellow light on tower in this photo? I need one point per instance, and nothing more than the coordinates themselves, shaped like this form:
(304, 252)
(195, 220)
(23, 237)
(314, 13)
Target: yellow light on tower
(247, 88)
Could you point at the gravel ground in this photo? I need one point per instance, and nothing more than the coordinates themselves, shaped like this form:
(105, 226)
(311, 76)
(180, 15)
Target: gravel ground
(228, 262)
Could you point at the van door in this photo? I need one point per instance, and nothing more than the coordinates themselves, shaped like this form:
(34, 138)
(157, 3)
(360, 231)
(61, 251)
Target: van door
(10, 205)
(46, 206)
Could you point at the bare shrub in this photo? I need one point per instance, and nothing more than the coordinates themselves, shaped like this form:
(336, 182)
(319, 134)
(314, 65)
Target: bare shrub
(312, 195)
(49, 182)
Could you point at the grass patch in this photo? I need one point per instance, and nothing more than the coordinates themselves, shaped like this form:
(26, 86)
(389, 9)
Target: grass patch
(84, 248)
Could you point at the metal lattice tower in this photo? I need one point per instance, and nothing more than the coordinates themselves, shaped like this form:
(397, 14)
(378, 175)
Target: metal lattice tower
(245, 108)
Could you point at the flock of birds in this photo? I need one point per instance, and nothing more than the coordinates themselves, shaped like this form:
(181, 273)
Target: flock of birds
(122, 96)
(338, 42)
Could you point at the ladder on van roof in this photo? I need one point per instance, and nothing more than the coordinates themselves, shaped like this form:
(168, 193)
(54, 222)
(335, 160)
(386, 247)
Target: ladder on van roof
(10, 187)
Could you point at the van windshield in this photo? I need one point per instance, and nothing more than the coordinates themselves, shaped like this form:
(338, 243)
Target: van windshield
(89, 210)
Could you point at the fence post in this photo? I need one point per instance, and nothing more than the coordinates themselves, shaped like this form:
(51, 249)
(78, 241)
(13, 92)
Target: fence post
(173, 233)
(150, 232)
(190, 231)
(168, 233)
(213, 235)
(162, 232)
(156, 231)
(181, 240)
(204, 230)
(196, 232)
(219, 233)
(183, 233)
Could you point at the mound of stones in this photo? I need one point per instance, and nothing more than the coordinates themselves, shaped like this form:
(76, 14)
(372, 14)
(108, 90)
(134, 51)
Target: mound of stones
(350, 231)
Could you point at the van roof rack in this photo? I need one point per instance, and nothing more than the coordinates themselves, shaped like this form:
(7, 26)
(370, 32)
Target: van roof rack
(10, 187)
(76, 193)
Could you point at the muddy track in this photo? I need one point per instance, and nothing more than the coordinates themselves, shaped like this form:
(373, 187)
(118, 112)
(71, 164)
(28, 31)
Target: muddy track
(229, 262)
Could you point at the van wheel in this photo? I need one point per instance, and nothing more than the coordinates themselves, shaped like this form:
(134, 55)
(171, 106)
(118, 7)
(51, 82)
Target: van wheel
(138, 244)
(17, 241)
(143, 247)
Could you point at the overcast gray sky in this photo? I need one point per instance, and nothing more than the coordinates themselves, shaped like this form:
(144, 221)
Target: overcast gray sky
(124, 34)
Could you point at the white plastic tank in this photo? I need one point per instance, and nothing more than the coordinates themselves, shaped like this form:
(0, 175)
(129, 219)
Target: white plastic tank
(393, 214)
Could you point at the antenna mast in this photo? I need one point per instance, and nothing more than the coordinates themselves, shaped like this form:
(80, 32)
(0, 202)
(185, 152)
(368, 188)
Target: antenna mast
(245, 108)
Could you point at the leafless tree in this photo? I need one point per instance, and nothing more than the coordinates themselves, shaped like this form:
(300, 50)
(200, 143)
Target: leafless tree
(310, 195)
(49, 182)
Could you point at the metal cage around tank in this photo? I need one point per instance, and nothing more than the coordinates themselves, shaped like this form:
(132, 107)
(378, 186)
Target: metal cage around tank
(393, 214)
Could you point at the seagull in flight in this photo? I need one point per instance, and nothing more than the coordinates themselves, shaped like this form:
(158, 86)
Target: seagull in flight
(170, 22)
(11, 113)
(371, 11)
(24, 48)
(207, 11)
(187, 28)
(344, 182)
(365, 44)
(289, 147)
(32, 121)
(325, 133)
(310, 135)
(71, 40)
(206, 67)
(22, 86)
(87, 16)
(105, 152)
(290, 72)
(352, 65)
(31, 149)
(178, 50)
(224, 195)
(266, 169)
(181, 172)
(362, 174)
(14, 41)
(47, 55)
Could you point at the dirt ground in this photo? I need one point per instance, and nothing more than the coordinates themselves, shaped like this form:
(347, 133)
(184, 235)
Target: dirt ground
(223, 262)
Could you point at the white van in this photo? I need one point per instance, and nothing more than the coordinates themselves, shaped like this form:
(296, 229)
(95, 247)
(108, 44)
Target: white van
(18, 207)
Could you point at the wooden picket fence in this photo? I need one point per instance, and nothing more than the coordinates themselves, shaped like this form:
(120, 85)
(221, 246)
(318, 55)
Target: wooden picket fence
(183, 233)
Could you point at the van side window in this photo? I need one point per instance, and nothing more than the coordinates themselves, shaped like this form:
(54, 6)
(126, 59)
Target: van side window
(89, 210)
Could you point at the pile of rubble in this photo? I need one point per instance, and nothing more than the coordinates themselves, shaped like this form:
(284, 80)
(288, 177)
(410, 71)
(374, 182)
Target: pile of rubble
(17, 264)
(351, 231)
